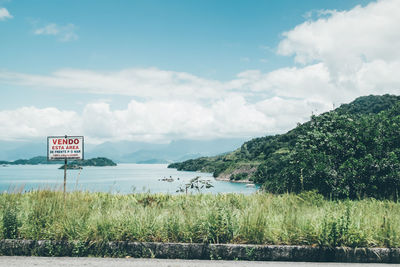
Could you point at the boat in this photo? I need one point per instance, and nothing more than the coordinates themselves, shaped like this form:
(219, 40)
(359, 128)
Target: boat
(170, 179)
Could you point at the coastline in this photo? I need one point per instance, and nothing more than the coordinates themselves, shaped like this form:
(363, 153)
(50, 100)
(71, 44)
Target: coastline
(226, 178)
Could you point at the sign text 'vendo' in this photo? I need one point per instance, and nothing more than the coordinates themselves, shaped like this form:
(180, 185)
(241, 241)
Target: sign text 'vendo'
(61, 147)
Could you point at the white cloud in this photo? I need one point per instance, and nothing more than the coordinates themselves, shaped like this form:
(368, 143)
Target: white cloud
(30, 122)
(341, 55)
(4, 14)
(64, 33)
(345, 41)
(50, 29)
(311, 82)
(166, 120)
(156, 120)
(356, 51)
(146, 83)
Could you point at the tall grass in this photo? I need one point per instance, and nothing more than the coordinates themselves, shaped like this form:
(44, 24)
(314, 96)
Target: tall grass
(305, 219)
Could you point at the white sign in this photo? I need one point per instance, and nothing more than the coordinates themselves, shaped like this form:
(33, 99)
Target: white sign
(61, 147)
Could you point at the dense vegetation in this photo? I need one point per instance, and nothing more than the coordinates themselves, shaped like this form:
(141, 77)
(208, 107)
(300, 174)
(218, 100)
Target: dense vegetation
(371, 104)
(351, 152)
(305, 219)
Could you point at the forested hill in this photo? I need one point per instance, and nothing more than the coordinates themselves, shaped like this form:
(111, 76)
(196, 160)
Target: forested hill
(351, 152)
(371, 104)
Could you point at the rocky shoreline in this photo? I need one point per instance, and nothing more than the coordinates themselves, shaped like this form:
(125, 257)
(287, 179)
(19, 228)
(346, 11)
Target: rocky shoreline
(226, 178)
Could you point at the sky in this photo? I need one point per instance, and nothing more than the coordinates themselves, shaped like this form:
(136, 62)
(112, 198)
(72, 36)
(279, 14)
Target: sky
(156, 71)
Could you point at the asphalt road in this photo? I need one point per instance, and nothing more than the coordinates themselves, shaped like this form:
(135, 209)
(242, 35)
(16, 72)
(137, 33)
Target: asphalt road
(108, 262)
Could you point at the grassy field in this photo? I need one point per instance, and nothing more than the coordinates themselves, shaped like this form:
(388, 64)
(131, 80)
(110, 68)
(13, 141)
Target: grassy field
(305, 219)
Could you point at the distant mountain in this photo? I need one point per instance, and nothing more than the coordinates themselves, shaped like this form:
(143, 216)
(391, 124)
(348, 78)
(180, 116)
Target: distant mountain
(129, 151)
(137, 152)
(153, 161)
(119, 150)
(13, 150)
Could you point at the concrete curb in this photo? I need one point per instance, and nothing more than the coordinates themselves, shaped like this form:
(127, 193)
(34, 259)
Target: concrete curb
(16, 247)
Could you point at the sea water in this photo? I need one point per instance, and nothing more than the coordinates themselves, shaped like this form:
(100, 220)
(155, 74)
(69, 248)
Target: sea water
(124, 178)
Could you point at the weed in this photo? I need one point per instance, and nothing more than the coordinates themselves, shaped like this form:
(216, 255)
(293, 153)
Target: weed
(10, 219)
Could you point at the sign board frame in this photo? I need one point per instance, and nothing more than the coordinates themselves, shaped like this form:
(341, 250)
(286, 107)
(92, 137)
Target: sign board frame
(66, 137)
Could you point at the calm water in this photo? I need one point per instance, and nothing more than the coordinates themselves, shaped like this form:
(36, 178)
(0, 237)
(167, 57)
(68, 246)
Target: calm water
(124, 178)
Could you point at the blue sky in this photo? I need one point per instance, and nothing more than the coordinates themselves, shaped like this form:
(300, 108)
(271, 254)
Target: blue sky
(212, 39)
(124, 59)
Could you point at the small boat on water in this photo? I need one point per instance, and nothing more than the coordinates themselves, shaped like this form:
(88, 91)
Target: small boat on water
(170, 179)
(250, 185)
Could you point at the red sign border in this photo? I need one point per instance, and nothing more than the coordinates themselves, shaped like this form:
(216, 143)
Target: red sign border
(63, 137)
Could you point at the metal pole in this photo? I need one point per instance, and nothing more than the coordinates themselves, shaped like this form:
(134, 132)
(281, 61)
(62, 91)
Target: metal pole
(65, 173)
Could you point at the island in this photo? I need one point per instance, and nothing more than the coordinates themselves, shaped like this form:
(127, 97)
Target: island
(96, 162)
(32, 161)
(75, 164)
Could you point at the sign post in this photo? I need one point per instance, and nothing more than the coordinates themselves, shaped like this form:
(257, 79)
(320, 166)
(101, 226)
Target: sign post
(65, 173)
(64, 148)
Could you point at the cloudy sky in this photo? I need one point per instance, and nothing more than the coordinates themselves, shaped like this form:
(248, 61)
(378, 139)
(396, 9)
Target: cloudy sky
(157, 71)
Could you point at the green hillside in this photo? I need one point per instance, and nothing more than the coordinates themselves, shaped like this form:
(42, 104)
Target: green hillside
(351, 152)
